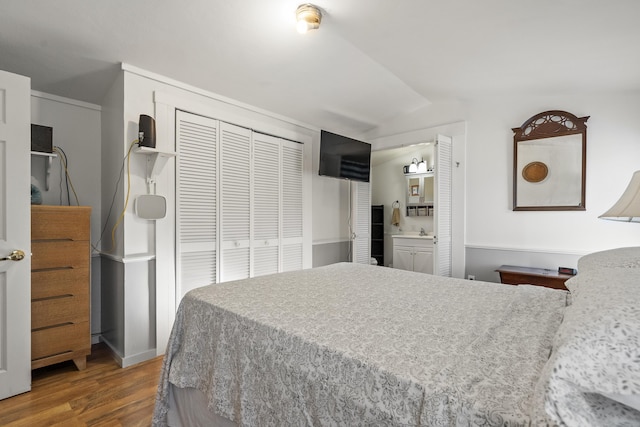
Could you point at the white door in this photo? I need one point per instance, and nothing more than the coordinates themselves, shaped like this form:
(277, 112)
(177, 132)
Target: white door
(361, 222)
(266, 204)
(15, 234)
(442, 206)
(277, 207)
(292, 217)
(196, 201)
(235, 214)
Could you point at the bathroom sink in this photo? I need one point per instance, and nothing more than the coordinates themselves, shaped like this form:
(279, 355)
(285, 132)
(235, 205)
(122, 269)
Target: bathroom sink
(415, 235)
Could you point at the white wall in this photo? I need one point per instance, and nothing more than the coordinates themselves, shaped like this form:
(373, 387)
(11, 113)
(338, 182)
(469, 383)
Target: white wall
(112, 155)
(613, 154)
(540, 239)
(77, 131)
(330, 207)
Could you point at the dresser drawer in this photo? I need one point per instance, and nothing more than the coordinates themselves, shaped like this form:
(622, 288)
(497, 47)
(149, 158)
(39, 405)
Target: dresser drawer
(62, 339)
(60, 222)
(59, 254)
(58, 311)
(56, 282)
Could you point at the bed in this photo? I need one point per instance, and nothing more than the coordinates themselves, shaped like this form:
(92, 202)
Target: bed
(350, 344)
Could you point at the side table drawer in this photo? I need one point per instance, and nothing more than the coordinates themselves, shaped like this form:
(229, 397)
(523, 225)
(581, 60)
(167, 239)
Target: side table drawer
(516, 275)
(519, 279)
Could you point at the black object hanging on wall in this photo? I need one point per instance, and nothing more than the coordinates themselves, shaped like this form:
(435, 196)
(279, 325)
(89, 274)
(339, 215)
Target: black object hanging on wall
(41, 138)
(147, 131)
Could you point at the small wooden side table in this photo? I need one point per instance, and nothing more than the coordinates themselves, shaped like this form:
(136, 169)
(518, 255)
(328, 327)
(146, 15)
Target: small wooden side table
(515, 275)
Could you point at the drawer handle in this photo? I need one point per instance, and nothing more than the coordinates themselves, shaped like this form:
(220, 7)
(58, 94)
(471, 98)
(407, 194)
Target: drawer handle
(16, 255)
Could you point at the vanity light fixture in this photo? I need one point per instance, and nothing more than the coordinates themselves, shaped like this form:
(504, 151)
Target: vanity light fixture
(422, 166)
(308, 17)
(413, 167)
(416, 167)
(627, 208)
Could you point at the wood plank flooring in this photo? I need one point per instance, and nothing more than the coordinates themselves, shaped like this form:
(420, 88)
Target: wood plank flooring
(101, 395)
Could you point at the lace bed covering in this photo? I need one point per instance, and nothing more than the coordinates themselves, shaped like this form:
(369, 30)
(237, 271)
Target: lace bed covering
(593, 375)
(356, 345)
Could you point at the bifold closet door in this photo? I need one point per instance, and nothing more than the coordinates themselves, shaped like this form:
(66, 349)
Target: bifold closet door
(360, 222)
(196, 201)
(239, 203)
(266, 190)
(292, 206)
(235, 204)
(443, 207)
(276, 205)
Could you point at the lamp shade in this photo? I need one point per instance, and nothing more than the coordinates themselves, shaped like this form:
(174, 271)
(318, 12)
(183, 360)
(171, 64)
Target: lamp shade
(627, 208)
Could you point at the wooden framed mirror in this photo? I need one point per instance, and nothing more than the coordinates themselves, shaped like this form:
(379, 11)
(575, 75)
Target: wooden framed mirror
(549, 162)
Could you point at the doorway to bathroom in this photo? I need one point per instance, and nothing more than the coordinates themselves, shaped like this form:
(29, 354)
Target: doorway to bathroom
(413, 184)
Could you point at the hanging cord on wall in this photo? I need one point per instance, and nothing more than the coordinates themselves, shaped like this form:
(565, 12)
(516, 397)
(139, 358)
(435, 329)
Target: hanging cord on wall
(351, 239)
(63, 175)
(64, 161)
(126, 203)
(113, 199)
(63, 164)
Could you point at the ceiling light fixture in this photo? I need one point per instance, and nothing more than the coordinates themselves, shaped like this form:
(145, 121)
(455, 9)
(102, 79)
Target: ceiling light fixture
(308, 17)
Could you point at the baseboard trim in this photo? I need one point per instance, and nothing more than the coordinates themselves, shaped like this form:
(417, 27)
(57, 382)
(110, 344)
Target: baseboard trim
(127, 361)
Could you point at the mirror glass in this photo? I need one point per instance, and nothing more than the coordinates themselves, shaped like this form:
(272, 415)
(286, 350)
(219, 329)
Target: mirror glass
(550, 171)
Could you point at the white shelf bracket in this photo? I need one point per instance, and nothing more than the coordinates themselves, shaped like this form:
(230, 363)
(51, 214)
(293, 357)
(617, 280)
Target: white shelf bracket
(48, 161)
(156, 161)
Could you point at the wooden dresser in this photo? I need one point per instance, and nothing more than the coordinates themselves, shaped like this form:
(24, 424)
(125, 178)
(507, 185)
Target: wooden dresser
(60, 284)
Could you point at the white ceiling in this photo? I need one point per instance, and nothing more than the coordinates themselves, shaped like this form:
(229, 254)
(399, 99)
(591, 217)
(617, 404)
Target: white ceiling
(370, 61)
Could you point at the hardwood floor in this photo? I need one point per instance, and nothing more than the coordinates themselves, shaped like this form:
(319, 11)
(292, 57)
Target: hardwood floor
(101, 395)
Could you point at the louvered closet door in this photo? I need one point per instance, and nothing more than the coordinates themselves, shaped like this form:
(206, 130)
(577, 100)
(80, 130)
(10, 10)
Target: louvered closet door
(266, 204)
(361, 222)
(292, 208)
(196, 201)
(235, 224)
(442, 203)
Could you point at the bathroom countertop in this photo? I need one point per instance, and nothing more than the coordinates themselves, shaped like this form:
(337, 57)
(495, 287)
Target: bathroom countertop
(412, 236)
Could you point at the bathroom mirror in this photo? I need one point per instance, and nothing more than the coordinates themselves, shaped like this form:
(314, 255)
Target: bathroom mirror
(549, 161)
(419, 194)
(414, 189)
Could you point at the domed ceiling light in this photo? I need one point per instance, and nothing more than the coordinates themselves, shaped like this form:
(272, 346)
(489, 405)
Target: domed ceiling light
(308, 17)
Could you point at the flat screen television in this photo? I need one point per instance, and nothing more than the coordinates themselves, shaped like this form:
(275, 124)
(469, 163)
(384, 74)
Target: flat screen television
(343, 157)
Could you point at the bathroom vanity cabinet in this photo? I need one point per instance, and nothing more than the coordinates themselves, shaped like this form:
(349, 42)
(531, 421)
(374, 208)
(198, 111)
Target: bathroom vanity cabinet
(413, 253)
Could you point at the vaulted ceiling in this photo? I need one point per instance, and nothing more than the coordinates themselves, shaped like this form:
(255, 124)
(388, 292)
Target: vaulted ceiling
(370, 61)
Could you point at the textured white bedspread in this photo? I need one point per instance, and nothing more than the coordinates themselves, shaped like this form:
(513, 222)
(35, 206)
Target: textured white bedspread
(353, 345)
